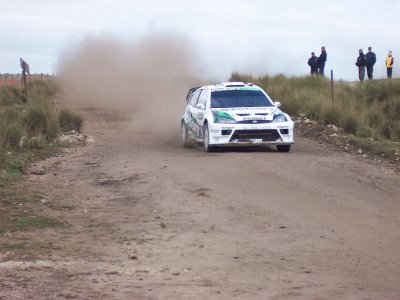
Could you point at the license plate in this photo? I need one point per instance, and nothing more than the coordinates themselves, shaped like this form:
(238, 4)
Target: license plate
(249, 127)
(256, 141)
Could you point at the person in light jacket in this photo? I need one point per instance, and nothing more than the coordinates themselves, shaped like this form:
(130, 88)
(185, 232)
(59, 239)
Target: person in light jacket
(389, 64)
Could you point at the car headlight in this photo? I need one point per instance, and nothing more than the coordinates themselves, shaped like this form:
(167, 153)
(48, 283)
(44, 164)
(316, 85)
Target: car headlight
(223, 117)
(279, 118)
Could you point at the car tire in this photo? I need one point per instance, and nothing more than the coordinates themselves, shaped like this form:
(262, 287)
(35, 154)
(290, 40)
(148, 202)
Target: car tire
(184, 135)
(283, 148)
(206, 135)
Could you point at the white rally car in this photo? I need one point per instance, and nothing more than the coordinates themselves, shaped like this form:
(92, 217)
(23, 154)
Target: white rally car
(233, 114)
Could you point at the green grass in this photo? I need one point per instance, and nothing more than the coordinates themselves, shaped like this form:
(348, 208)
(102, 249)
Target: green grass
(22, 209)
(30, 222)
(11, 95)
(40, 121)
(19, 196)
(36, 247)
(25, 250)
(382, 148)
(29, 126)
(16, 164)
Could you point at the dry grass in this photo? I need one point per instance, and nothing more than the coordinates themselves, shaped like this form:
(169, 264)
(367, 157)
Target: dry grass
(30, 122)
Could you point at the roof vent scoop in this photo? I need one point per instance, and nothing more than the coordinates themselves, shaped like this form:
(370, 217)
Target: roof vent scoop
(233, 84)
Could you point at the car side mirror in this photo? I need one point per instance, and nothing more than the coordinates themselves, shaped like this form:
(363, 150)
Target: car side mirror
(277, 104)
(200, 106)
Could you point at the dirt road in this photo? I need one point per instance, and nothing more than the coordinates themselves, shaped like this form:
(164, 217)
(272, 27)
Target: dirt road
(151, 220)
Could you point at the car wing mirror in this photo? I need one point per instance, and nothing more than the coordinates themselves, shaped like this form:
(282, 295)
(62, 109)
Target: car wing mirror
(200, 106)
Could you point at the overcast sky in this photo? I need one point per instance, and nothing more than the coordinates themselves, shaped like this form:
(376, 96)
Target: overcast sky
(252, 36)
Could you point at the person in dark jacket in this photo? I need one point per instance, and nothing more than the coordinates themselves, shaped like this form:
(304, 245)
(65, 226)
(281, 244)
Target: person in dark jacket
(361, 63)
(371, 60)
(313, 63)
(322, 60)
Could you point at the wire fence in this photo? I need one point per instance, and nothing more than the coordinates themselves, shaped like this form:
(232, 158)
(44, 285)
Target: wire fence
(11, 79)
(7, 76)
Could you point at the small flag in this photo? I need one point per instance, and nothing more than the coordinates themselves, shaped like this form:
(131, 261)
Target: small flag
(24, 65)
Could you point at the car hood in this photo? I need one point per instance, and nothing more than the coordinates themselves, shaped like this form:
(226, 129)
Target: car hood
(250, 113)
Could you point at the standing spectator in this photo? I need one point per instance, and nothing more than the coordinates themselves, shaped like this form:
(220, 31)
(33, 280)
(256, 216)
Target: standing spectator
(361, 63)
(371, 60)
(389, 64)
(313, 63)
(322, 60)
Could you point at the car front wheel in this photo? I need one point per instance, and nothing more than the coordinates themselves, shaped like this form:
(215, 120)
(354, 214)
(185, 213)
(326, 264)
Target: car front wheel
(184, 135)
(283, 148)
(207, 146)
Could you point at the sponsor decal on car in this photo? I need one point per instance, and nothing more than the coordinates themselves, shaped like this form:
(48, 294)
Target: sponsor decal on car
(254, 118)
(233, 89)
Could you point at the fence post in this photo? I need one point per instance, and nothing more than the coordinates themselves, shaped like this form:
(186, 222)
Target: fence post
(332, 91)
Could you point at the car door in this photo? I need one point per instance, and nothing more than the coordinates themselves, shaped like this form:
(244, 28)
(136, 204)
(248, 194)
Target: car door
(199, 112)
(193, 127)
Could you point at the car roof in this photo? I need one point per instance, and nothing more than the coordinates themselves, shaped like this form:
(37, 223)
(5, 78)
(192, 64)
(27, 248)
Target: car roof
(229, 85)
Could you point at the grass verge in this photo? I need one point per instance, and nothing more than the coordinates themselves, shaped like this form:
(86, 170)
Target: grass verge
(29, 126)
(30, 123)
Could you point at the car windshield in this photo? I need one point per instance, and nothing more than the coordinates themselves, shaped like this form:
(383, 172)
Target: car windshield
(239, 98)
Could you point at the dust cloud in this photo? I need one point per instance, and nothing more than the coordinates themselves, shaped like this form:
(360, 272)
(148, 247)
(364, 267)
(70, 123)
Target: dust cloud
(144, 82)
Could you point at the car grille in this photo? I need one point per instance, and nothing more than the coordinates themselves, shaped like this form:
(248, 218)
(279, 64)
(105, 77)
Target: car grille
(267, 135)
(254, 122)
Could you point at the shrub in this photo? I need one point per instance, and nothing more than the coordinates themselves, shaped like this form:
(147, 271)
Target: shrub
(2, 154)
(42, 87)
(10, 95)
(350, 124)
(375, 91)
(292, 107)
(374, 119)
(386, 130)
(41, 121)
(314, 111)
(13, 135)
(70, 121)
(35, 119)
(364, 132)
(396, 131)
(34, 144)
(332, 115)
(11, 129)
